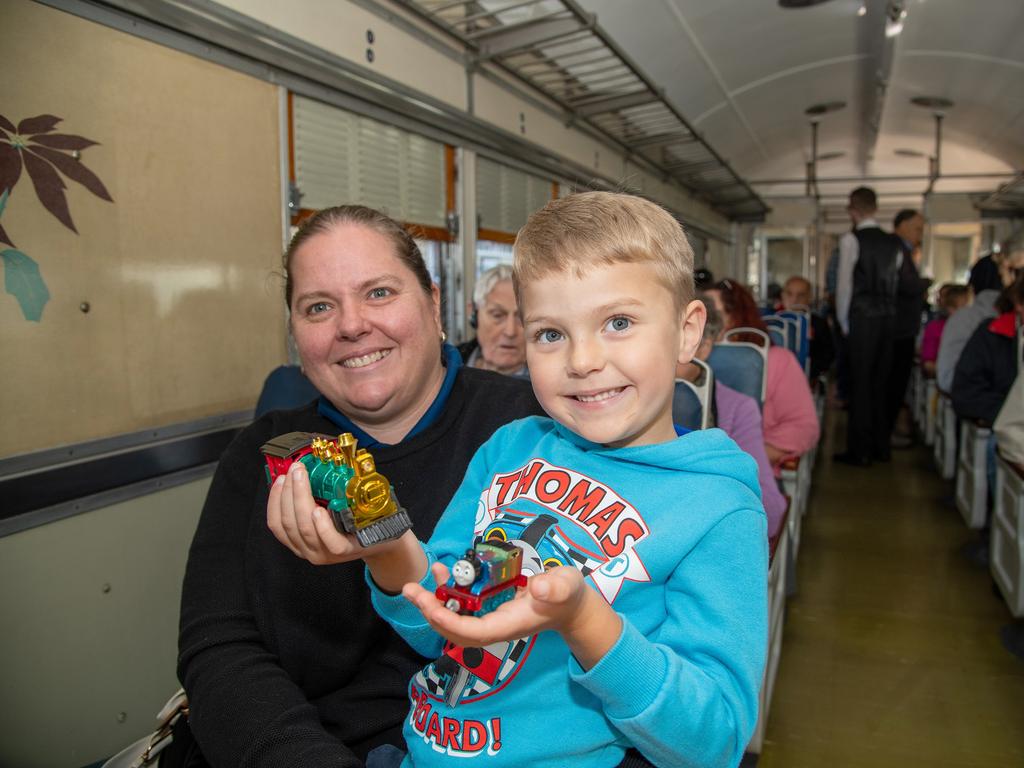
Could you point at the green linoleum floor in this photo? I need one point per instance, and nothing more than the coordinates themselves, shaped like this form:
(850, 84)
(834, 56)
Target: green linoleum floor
(891, 653)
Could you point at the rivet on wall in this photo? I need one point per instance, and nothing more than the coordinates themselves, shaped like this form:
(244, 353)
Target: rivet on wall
(84, 307)
(122, 716)
(106, 589)
(370, 37)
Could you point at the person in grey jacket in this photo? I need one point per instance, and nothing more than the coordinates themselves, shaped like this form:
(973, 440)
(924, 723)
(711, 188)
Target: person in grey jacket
(987, 282)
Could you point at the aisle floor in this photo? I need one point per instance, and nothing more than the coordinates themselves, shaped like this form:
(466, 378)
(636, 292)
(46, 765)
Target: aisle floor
(891, 654)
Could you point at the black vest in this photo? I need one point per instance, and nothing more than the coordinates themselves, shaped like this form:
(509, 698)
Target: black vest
(875, 275)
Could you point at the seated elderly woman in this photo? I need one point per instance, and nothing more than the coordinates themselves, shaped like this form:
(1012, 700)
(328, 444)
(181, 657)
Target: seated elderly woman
(499, 344)
(790, 420)
(738, 415)
(286, 663)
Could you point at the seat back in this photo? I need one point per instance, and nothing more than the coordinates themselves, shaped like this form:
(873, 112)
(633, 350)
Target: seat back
(691, 403)
(777, 330)
(285, 387)
(742, 365)
(802, 317)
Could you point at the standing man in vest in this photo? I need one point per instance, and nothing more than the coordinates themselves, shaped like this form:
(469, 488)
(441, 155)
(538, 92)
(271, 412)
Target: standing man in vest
(869, 261)
(908, 226)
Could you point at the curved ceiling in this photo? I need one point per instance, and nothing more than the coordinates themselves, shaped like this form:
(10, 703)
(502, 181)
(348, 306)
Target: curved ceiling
(743, 74)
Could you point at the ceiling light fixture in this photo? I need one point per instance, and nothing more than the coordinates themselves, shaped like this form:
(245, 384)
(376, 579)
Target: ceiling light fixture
(931, 102)
(895, 15)
(800, 3)
(824, 108)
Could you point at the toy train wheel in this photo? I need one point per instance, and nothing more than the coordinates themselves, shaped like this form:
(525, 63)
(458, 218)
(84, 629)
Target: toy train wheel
(452, 604)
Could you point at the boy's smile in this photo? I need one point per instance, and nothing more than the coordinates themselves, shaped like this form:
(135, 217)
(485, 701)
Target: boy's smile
(602, 351)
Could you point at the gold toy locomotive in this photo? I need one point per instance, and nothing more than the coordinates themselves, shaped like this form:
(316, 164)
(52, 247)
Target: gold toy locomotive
(344, 480)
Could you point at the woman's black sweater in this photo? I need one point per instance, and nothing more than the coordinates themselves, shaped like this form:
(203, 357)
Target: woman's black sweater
(286, 663)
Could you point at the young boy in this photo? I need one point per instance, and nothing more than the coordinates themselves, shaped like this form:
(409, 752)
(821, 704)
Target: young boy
(643, 623)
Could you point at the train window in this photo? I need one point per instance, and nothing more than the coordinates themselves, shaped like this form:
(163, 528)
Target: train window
(337, 157)
(433, 253)
(490, 253)
(784, 257)
(954, 247)
(506, 197)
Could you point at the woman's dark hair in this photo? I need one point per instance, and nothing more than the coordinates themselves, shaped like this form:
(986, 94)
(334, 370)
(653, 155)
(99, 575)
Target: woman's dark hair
(739, 304)
(324, 221)
(1011, 297)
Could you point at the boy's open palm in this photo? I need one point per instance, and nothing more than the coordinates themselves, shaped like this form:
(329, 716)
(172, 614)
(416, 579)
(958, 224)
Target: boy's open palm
(551, 600)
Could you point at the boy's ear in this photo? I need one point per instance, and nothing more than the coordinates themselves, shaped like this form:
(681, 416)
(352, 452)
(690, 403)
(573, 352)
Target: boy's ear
(691, 329)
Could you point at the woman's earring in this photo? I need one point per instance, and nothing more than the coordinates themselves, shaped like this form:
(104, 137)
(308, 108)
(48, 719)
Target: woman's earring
(444, 337)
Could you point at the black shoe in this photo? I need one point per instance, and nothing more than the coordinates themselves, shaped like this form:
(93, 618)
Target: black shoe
(851, 459)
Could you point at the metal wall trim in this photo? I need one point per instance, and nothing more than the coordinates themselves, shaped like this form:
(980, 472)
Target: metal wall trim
(26, 463)
(51, 514)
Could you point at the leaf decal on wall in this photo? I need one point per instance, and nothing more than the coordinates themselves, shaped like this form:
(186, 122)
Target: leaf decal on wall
(3, 204)
(75, 171)
(23, 281)
(10, 166)
(32, 145)
(62, 141)
(44, 155)
(3, 200)
(49, 189)
(40, 124)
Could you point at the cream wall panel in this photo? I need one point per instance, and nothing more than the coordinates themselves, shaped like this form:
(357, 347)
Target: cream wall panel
(500, 108)
(339, 27)
(90, 613)
(184, 320)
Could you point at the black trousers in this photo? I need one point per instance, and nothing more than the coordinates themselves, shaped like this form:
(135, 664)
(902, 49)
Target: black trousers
(899, 376)
(870, 347)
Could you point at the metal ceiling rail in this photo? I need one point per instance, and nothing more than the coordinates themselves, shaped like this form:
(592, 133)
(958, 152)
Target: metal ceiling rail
(559, 50)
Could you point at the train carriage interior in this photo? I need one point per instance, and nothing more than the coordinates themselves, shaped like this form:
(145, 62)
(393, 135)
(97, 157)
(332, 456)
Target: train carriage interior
(157, 156)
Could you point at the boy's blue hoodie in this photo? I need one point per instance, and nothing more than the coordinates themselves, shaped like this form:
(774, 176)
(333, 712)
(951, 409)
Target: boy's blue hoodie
(673, 535)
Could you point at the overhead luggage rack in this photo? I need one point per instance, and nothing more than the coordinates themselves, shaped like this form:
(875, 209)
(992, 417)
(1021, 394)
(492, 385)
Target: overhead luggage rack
(1007, 200)
(558, 49)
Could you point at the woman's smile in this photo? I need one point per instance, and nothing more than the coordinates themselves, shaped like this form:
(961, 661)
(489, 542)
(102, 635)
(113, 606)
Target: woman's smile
(363, 360)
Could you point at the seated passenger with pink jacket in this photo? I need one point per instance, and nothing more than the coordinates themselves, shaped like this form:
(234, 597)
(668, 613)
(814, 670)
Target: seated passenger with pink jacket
(790, 419)
(740, 418)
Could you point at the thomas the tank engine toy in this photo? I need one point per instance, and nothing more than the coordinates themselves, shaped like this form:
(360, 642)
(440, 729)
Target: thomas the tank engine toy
(483, 579)
(344, 481)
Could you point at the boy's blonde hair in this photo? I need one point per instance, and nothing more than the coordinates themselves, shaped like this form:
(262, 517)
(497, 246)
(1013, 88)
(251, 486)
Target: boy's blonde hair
(603, 228)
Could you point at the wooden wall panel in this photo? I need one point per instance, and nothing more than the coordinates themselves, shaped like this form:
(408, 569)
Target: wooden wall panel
(185, 318)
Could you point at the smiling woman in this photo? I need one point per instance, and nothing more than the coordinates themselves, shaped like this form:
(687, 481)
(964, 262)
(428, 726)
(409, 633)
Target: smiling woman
(284, 663)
